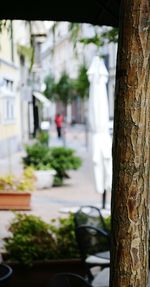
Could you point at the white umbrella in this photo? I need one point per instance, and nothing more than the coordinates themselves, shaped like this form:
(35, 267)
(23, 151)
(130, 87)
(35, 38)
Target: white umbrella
(99, 125)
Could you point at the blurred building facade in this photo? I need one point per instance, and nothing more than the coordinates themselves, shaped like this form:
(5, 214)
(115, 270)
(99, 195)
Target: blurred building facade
(60, 53)
(21, 99)
(34, 103)
(28, 53)
(10, 117)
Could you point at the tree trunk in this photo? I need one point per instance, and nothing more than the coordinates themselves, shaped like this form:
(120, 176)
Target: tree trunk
(131, 149)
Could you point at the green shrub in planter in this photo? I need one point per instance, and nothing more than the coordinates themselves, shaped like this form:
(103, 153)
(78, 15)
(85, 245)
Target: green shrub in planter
(62, 160)
(108, 223)
(37, 154)
(58, 181)
(43, 137)
(31, 240)
(64, 233)
(103, 242)
(58, 158)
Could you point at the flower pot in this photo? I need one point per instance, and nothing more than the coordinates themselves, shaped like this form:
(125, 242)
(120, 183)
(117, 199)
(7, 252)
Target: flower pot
(15, 200)
(44, 178)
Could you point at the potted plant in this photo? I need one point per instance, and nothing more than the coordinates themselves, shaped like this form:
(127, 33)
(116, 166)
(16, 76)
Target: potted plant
(15, 192)
(43, 137)
(44, 176)
(37, 250)
(39, 158)
(60, 159)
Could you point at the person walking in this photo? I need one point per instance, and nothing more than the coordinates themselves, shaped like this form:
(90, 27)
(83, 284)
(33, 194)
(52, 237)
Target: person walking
(59, 122)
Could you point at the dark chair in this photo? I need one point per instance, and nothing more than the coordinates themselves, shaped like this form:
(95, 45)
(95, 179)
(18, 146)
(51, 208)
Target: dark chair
(68, 280)
(5, 273)
(94, 246)
(90, 215)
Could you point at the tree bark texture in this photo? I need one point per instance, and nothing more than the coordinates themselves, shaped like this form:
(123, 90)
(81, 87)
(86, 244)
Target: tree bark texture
(131, 148)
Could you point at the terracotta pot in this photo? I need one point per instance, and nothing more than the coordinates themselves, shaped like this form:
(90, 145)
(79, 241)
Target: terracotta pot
(15, 200)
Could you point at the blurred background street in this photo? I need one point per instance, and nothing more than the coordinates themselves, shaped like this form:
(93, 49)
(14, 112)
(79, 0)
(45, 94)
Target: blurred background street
(56, 202)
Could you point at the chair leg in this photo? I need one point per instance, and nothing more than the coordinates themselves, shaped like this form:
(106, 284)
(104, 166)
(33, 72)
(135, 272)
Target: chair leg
(104, 199)
(90, 276)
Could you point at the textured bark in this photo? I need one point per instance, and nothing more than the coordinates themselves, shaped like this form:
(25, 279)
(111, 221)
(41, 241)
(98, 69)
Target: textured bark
(131, 149)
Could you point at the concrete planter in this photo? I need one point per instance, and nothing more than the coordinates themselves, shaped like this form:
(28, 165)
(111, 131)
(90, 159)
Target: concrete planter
(40, 274)
(15, 200)
(44, 178)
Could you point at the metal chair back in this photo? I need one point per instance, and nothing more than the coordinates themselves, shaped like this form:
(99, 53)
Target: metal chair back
(5, 273)
(90, 215)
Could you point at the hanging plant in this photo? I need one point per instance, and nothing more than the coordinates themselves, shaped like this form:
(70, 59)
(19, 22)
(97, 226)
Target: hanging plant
(26, 52)
(3, 24)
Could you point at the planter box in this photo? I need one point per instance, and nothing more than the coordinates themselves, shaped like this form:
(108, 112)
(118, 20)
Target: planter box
(15, 200)
(40, 274)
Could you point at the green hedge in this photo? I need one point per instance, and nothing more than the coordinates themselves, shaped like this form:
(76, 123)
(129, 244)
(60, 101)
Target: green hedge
(33, 239)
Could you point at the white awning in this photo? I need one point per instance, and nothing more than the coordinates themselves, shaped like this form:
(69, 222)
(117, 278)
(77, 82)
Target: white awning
(42, 99)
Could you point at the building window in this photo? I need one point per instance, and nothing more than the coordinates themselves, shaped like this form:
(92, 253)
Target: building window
(8, 84)
(7, 99)
(9, 108)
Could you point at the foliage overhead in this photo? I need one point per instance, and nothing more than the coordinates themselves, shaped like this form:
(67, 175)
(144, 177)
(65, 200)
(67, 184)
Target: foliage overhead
(99, 39)
(26, 52)
(54, 27)
(74, 29)
(96, 40)
(3, 24)
(111, 35)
